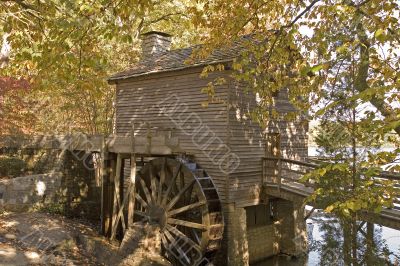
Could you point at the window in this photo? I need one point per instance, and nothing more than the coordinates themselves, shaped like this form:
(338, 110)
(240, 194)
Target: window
(259, 215)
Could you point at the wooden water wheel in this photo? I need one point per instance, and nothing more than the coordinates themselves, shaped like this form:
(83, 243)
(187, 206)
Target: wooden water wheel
(184, 202)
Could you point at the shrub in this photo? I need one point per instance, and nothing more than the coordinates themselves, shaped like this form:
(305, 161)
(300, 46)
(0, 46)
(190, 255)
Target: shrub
(11, 166)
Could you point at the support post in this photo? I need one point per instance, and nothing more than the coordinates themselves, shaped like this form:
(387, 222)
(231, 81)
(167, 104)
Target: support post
(131, 205)
(104, 171)
(279, 174)
(117, 201)
(108, 194)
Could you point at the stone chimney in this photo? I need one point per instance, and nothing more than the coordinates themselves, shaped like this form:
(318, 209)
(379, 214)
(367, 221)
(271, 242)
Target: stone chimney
(154, 42)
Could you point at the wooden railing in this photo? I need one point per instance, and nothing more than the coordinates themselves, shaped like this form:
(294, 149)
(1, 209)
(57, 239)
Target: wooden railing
(277, 171)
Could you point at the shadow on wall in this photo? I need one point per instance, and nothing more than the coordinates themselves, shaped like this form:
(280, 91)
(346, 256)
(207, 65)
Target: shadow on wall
(68, 188)
(79, 192)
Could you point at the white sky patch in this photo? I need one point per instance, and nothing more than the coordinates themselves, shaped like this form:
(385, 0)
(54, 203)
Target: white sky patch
(306, 31)
(258, 98)
(6, 47)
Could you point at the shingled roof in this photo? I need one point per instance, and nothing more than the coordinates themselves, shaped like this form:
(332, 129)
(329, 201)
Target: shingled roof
(177, 60)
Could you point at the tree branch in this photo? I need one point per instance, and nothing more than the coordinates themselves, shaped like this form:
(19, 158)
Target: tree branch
(362, 76)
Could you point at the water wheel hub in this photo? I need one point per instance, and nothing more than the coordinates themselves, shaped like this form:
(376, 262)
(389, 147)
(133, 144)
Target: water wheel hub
(157, 215)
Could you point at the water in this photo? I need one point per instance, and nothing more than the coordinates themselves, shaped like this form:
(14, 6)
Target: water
(326, 245)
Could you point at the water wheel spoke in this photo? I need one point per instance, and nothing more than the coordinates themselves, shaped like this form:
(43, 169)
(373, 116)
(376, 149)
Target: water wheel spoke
(146, 191)
(188, 195)
(176, 246)
(186, 223)
(182, 236)
(153, 190)
(171, 185)
(177, 197)
(143, 214)
(182, 180)
(162, 180)
(153, 185)
(168, 235)
(164, 242)
(141, 200)
(196, 235)
(186, 208)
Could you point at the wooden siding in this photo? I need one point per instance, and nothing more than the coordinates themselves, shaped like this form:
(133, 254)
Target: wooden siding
(246, 139)
(149, 99)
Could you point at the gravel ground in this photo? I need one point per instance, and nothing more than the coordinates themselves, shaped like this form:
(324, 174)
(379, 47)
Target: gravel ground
(43, 239)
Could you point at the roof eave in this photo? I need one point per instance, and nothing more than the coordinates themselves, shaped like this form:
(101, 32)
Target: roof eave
(113, 81)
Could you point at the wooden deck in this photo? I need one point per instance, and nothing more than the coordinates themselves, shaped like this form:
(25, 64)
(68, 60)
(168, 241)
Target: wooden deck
(281, 179)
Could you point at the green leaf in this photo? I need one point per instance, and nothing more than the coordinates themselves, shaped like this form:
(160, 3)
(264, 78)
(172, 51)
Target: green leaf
(317, 68)
(380, 35)
(329, 208)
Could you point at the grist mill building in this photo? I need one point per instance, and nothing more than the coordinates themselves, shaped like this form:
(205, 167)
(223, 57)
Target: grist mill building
(205, 188)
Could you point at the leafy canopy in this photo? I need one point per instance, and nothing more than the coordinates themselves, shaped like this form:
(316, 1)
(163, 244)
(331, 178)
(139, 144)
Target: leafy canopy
(67, 49)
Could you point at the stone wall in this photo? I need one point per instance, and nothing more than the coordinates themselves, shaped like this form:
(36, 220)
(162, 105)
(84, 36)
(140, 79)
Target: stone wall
(24, 193)
(69, 189)
(39, 161)
(80, 193)
(291, 226)
(247, 244)
(236, 245)
(263, 242)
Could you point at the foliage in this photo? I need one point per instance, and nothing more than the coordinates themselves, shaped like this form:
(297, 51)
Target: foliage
(302, 46)
(51, 208)
(339, 62)
(11, 166)
(67, 49)
(348, 135)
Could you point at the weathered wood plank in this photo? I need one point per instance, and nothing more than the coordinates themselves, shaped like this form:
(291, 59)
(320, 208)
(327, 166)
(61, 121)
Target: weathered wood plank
(131, 204)
(117, 204)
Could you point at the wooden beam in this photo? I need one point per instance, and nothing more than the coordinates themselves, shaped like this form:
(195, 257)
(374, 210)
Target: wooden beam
(309, 214)
(147, 144)
(144, 145)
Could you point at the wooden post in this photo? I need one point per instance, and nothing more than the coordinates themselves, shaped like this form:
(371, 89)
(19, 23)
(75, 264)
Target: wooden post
(116, 205)
(279, 174)
(108, 194)
(131, 204)
(104, 171)
(369, 254)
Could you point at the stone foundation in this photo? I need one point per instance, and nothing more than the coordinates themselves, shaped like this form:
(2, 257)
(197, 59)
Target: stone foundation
(236, 234)
(263, 242)
(244, 244)
(292, 227)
